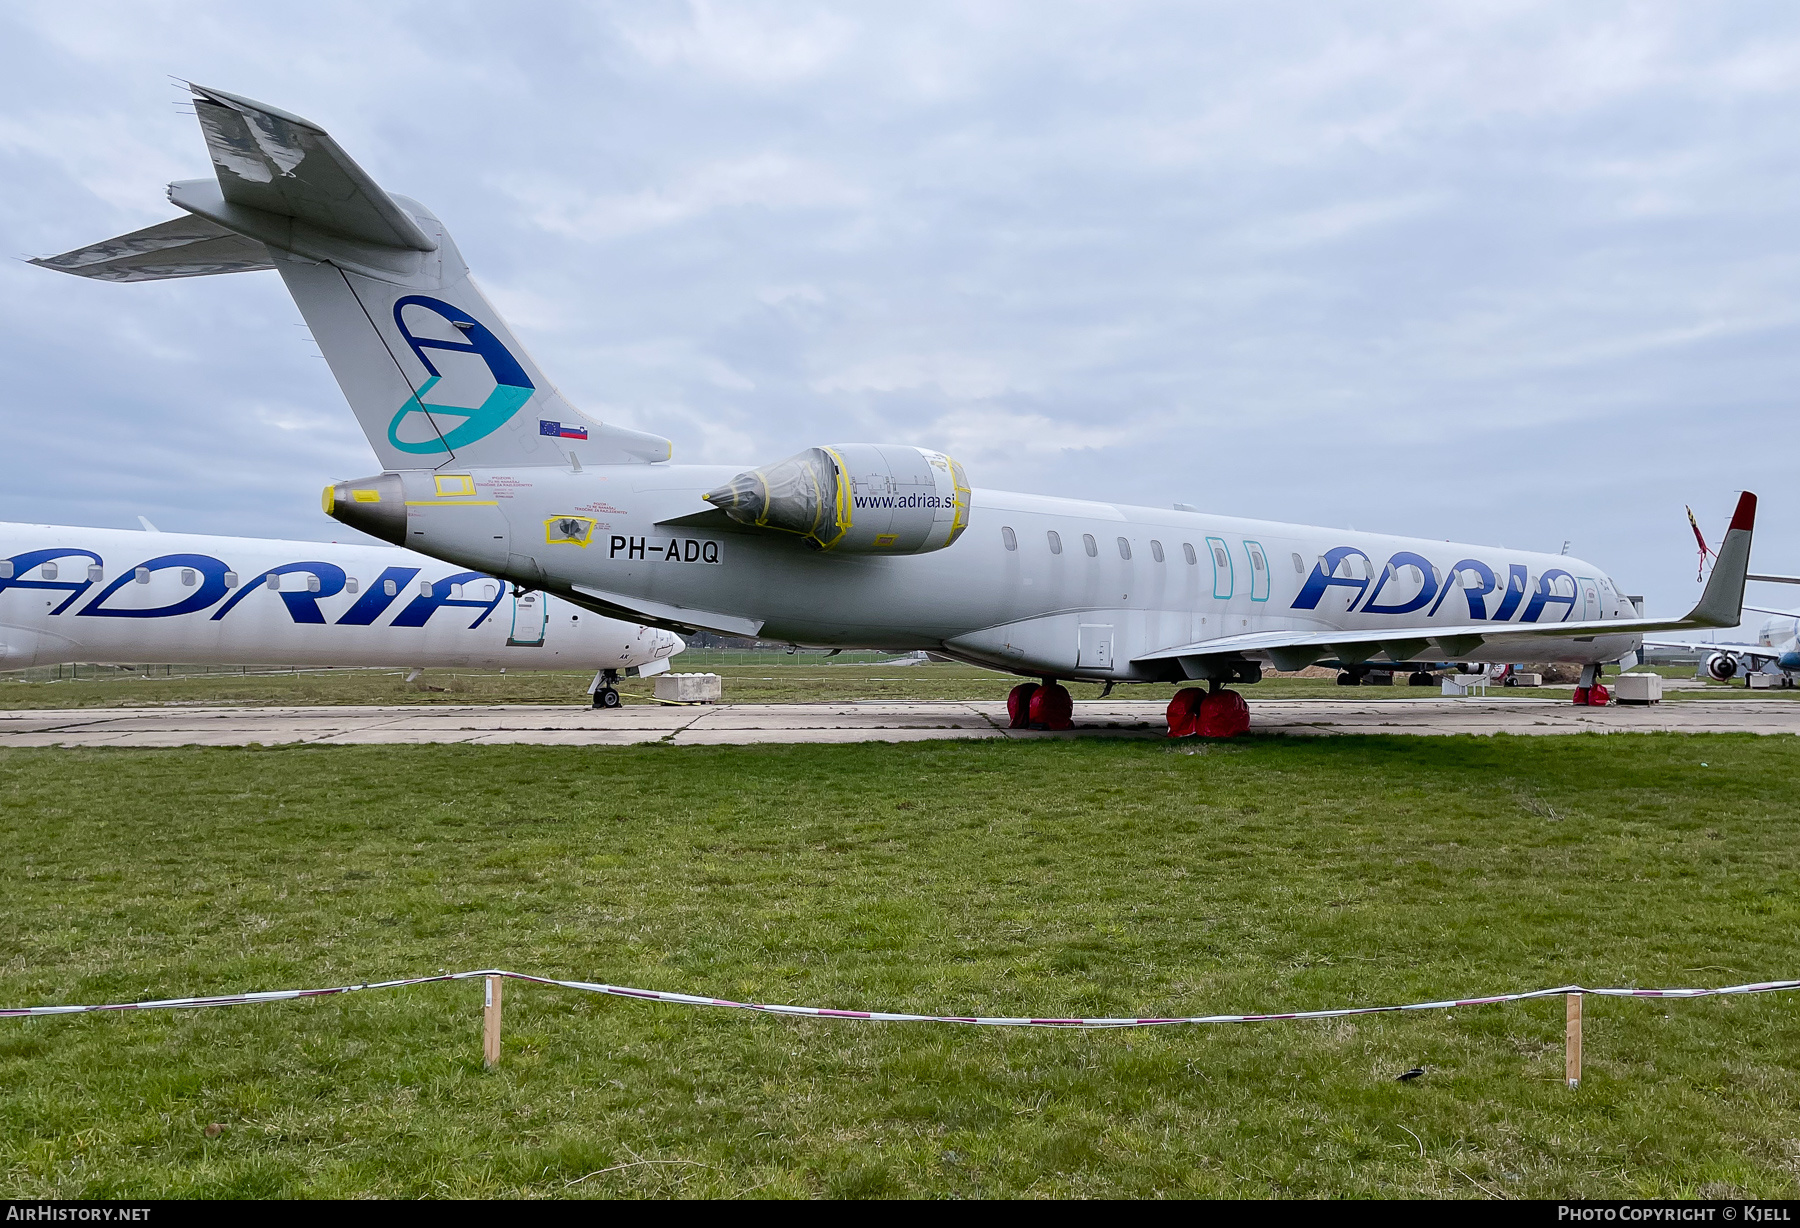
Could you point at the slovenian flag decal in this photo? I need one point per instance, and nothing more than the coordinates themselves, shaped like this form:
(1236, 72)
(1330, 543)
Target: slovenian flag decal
(559, 431)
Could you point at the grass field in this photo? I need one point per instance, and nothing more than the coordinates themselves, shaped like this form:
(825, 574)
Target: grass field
(1071, 877)
(749, 678)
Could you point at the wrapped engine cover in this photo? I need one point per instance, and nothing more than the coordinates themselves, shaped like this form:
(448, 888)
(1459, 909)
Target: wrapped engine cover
(855, 498)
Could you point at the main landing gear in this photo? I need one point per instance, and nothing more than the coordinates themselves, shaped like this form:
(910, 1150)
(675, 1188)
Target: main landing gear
(1213, 713)
(605, 694)
(1589, 691)
(1045, 705)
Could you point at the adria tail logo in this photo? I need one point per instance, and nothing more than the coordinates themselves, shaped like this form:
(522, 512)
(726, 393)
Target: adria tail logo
(512, 387)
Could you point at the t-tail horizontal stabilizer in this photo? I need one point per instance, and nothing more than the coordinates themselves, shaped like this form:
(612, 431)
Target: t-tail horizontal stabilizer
(1721, 605)
(432, 372)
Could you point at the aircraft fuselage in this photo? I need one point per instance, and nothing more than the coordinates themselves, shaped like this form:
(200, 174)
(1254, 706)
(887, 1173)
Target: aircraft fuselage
(1034, 585)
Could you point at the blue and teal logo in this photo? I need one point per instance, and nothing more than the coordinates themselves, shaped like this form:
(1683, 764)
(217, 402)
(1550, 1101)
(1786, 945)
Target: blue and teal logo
(512, 387)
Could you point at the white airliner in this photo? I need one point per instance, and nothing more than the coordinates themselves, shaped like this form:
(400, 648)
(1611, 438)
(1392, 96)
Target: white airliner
(864, 545)
(112, 596)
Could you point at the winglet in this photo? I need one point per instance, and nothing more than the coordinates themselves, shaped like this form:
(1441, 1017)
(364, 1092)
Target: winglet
(1722, 604)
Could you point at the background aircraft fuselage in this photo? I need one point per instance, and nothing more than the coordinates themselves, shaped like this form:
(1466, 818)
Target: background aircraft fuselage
(117, 596)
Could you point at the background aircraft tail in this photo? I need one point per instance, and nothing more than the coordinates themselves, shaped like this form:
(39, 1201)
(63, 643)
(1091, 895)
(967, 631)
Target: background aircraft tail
(433, 373)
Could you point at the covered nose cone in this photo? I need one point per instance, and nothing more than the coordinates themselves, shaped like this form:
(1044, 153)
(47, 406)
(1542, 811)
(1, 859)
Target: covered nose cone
(798, 495)
(375, 505)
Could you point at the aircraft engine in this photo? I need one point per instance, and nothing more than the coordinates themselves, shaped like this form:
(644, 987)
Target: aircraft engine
(856, 498)
(1722, 666)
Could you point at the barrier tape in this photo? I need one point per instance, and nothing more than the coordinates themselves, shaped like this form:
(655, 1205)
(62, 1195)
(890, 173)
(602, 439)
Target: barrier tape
(820, 1012)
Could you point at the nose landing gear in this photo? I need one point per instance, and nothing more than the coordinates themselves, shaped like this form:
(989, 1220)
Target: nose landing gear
(603, 689)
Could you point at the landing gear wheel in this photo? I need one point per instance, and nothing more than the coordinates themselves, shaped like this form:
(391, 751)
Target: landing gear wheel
(1018, 705)
(1222, 714)
(1418, 678)
(1346, 678)
(1052, 707)
(1181, 711)
(607, 698)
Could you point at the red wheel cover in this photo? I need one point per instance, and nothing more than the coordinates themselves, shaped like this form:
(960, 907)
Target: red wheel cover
(1181, 712)
(1051, 708)
(1018, 704)
(1222, 714)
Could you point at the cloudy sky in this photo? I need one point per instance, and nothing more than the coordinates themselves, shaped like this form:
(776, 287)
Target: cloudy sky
(1500, 272)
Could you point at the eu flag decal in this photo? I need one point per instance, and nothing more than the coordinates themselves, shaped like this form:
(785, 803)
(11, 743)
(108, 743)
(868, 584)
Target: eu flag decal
(557, 430)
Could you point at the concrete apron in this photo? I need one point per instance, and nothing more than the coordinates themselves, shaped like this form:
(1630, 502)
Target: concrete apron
(735, 724)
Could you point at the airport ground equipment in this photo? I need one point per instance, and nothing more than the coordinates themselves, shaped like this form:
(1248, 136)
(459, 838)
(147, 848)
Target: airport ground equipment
(1638, 689)
(841, 545)
(118, 596)
(690, 688)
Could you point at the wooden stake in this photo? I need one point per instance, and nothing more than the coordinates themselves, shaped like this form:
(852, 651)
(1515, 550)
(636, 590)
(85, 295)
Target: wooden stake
(490, 1024)
(1572, 1045)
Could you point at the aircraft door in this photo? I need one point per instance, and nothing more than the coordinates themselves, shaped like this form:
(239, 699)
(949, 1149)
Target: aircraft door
(1224, 572)
(1259, 571)
(1095, 649)
(1590, 600)
(530, 615)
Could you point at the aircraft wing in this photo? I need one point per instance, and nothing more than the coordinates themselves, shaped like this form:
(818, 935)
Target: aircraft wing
(1774, 579)
(1761, 652)
(1720, 605)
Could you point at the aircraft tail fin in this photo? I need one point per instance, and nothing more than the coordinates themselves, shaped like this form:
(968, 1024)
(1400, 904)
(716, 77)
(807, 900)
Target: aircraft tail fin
(433, 373)
(1722, 601)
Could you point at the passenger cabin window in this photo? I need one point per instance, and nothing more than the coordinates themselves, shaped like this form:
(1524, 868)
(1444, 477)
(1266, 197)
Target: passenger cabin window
(1055, 540)
(1193, 559)
(1299, 567)
(390, 589)
(1125, 550)
(424, 588)
(6, 570)
(231, 579)
(1009, 537)
(1156, 550)
(274, 582)
(1256, 559)
(312, 584)
(142, 576)
(96, 573)
(1220, 557)
(351, 585)
(1090, 545)
(188, 577)
(48, 571)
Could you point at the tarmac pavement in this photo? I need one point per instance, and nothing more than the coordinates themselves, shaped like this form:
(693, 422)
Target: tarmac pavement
(737, 724)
